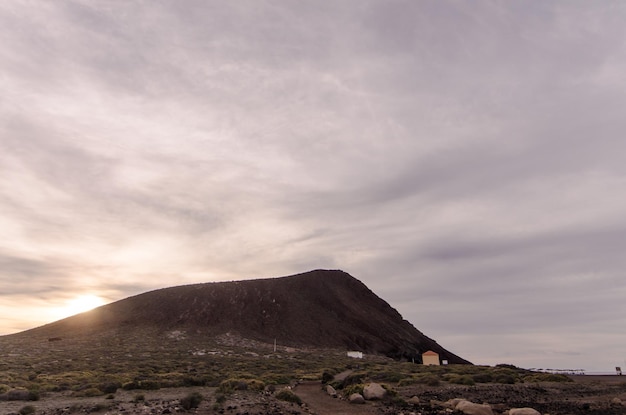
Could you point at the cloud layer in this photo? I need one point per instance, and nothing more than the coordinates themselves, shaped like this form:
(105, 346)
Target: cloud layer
(465, 161)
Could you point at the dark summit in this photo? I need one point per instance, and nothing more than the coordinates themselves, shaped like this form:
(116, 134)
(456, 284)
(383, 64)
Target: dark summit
(328, 309)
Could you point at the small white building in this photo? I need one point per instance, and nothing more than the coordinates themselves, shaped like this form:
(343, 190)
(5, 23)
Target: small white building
(355, 354)
(430, 358)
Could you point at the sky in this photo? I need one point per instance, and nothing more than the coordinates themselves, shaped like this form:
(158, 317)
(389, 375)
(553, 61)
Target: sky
(464, 160)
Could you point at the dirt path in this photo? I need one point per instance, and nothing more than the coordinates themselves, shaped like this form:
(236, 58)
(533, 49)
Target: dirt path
(322, 404)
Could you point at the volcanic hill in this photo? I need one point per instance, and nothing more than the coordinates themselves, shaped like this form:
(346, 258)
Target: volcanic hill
(322, 308)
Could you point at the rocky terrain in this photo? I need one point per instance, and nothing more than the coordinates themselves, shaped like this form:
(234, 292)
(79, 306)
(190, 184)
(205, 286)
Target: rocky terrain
(600, 396)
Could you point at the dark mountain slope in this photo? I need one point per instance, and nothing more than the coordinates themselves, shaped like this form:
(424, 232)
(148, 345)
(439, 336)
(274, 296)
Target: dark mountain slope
(318, 308)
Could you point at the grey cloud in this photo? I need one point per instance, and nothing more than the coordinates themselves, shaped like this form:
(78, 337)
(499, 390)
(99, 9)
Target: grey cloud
(464, 161)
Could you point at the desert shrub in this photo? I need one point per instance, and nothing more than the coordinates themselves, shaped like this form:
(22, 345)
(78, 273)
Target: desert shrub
(191, 401)
(194, 381)
(352, 379)
(255, 385)
(398, 401)
(4, 388)
(230, 385)
(482, 378)
(547, 377)
(504, 378)
(62, 387)
(89, 392)
(505, 375)
(427, 379)
(220, 398)
(139, 398)
(356, 388)
(289, 396)
(391, 392)
(407, 381)
(110, 387)
(422, 378)
(20, 395)
(276, 379)
(27, 410)
(507, 366)
(33, 395)
(459, 379)
(130, 385)
(337, 384)
(388, 376)
(149, 385)
(327, 377)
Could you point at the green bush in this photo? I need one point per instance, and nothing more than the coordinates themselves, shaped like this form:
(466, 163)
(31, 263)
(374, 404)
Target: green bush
(191, 401)
(289, 396)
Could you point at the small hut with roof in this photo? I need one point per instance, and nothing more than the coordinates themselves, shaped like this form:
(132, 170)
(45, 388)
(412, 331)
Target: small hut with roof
(430, 358)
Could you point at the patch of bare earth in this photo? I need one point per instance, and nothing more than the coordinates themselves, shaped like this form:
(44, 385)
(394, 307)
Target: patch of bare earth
(321, 403)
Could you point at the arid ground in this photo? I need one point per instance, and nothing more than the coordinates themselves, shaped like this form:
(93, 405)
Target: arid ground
(589, 395)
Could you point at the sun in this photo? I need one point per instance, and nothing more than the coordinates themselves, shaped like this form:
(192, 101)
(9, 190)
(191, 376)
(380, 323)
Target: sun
(81, 304)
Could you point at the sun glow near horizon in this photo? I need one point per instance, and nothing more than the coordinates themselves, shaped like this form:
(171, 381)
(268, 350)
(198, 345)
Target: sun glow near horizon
(79, 304)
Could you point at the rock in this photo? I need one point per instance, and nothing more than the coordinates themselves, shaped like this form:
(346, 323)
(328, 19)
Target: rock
(331, 391)
(374, 391)
(523, 411)
(452, 403)
(356, 398)
(470, 408)
(413, 400)
(616, 401)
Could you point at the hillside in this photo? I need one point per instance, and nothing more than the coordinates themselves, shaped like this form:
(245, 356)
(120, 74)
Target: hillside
(322, 308)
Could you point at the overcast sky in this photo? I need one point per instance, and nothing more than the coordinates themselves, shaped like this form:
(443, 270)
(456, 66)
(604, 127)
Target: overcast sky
(465, 160)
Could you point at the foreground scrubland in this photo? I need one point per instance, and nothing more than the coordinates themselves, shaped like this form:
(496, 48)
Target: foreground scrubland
(175, 372)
